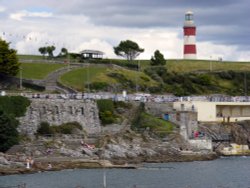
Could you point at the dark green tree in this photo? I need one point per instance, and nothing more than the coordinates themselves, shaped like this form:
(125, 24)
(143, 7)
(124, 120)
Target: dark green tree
(64, 51)
(9, 64)
(43, 50)
(128, 49)
(8, 131)
(50, 50)
(158, 59)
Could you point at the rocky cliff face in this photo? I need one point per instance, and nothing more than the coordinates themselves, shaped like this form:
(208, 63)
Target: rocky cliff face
(58, 111)
(241, 132)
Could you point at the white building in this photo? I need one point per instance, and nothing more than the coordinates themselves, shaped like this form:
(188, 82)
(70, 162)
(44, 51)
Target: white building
(216, 111)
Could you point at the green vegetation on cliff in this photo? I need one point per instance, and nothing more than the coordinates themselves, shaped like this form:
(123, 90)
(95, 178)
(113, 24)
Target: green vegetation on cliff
(143, 121)
(14, 105)
(180, 77)
(8, 131)
(67, 128)
(10, 108)
(106, 78)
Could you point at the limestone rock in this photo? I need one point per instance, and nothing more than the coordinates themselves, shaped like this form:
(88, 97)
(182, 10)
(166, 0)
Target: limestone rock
(70, 152)
(4, 161)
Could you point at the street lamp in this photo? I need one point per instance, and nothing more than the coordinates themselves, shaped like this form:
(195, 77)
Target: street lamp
(211, 67)
(138, 69)
(21, 78)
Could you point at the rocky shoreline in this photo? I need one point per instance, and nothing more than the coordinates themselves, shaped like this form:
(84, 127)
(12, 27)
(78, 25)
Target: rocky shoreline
(61, 163)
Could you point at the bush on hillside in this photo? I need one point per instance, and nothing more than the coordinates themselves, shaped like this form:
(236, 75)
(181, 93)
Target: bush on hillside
(8, 131)
(145, 121)
(98, 86)
(44, 129)
(123, 80)
(106, 111)
(66, 128)
(15, 105)
(105, 105)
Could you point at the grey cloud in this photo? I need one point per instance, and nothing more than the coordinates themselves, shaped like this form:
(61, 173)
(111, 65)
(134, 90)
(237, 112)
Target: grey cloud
(219, 21)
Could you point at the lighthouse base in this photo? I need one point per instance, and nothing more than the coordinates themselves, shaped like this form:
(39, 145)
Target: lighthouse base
(189, 56)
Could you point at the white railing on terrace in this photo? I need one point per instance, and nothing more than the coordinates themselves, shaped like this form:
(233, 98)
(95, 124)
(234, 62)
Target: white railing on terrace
(133, 97)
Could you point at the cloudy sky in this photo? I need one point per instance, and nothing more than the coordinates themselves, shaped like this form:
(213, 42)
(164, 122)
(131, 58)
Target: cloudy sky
(223, 26)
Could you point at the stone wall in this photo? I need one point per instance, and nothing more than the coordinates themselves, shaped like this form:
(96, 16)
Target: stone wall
(158, 109)
(186, 120)
(58, 111)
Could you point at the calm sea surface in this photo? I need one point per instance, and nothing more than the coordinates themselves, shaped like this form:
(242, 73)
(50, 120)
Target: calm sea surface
(231, 172)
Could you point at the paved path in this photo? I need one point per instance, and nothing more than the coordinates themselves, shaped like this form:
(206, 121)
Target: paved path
(51, 81)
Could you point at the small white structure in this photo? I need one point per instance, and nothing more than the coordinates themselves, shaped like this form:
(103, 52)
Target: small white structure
(216, 111)
(91, 54)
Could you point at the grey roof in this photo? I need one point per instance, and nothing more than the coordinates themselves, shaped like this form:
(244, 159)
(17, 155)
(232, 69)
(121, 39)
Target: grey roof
(92, 52)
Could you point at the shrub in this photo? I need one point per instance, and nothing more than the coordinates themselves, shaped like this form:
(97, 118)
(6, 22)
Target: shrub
(107, 117)
(105, 105)
(8, 131)
(45, 129)
(15, 105)
(122, 104)
(108, 110)
(98, 86)
(33, 86)
(66, 128)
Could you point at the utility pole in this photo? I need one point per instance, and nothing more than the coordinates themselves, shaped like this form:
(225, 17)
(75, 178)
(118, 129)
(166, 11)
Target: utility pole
(245, 84)
(138, 69)
(21, 79)
(68, 59)
(211, 67)
(88, 78)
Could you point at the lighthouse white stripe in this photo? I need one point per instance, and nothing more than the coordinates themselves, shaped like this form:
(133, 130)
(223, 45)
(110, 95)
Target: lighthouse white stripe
(189, 56)
(189, 40)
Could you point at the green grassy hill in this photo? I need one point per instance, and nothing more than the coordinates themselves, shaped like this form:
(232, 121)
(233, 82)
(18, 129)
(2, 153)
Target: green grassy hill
(38, 70)
(106, 78)
(180, 77)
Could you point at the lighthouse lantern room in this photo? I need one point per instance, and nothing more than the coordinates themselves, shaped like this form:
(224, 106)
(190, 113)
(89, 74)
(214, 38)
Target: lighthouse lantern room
(189, 29)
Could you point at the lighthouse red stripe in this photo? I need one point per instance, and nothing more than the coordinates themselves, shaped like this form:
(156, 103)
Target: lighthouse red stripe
(189, 31)
(189, 49)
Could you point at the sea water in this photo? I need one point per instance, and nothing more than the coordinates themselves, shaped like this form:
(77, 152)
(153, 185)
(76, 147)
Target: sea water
(228, 172)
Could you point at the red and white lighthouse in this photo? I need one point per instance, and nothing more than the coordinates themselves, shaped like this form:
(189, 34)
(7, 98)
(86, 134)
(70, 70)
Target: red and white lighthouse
(189, 30)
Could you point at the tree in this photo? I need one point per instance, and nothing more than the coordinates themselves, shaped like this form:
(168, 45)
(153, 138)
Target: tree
(50, 50)
(43, 50)
(158, 59)
(8, 131)
(128, 49)
(9, 64)
(64, 51)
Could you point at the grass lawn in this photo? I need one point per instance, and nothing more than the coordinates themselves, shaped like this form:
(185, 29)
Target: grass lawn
(203, 65)
(30, 57)
(38, 70)
(181, 65)
(80, 77)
